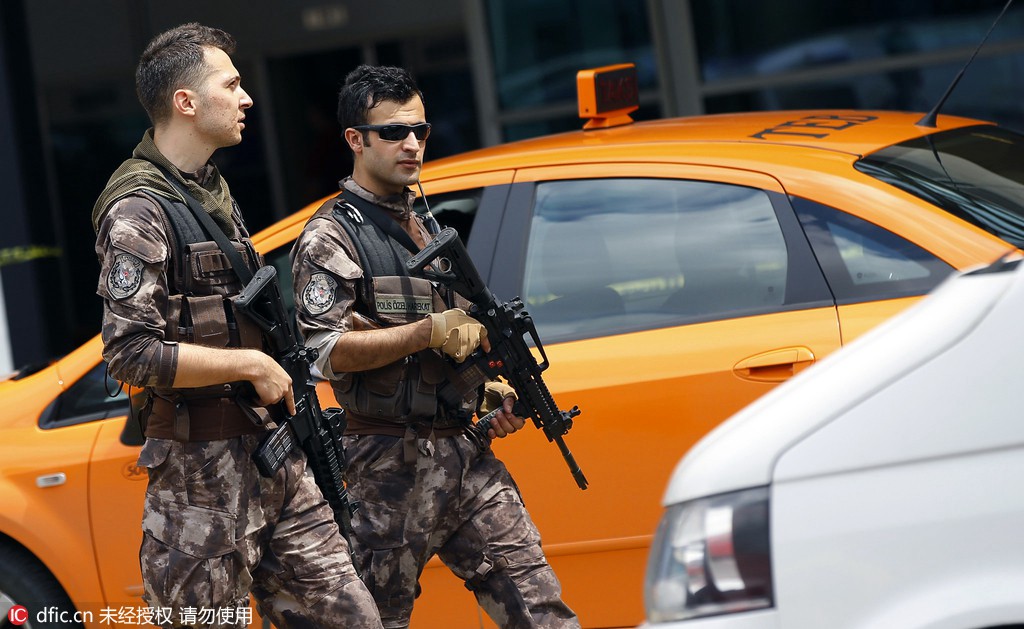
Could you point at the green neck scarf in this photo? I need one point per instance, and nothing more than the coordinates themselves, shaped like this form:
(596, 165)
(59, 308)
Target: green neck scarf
(140, 173)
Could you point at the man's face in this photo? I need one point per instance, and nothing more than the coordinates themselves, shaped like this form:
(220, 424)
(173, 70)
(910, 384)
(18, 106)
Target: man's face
(387, 168)
(220, 102)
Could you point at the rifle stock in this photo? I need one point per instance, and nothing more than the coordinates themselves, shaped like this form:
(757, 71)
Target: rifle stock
(508, 324)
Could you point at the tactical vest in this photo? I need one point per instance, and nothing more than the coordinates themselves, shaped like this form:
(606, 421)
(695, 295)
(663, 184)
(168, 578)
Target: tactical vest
(201, 282)
(405, 392)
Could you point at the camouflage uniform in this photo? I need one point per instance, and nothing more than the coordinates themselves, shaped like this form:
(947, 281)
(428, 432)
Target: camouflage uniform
(423, 491)
(214, 529)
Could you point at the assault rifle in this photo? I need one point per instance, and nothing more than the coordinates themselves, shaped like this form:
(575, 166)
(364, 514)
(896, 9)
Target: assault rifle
(318, 432)
(507, 325)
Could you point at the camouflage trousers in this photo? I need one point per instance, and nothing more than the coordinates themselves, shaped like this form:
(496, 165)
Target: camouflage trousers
(214, 530)
(463, 507)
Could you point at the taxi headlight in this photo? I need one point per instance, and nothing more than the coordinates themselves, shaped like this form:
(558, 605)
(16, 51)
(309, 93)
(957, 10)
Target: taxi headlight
(710, 556)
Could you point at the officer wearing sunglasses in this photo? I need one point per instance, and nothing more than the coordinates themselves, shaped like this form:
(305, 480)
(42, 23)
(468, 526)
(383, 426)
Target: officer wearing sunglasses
(397, 132)
(386, 340)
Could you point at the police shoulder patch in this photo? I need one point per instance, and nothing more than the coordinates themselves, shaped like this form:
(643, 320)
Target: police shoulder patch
(125, 276)
(318, 296)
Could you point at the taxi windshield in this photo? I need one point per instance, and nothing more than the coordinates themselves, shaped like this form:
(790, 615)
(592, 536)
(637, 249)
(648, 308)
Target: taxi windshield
(975, 173)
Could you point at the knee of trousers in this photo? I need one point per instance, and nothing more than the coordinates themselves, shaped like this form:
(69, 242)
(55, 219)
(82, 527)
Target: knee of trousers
(347, 606)
(527, 600)
(176, 581)
(514, 567)
(390, 574)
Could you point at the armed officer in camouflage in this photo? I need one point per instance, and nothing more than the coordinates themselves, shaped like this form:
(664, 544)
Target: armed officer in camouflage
(384, 338)
(214, 529)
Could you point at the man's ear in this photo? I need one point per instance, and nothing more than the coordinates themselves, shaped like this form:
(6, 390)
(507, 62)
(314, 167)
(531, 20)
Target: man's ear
(354, 138)
(183, 101)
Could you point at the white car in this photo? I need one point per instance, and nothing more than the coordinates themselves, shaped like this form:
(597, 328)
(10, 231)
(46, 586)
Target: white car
(882, 488)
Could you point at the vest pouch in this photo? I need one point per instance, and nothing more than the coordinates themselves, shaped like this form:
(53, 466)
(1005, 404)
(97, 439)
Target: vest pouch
(395, 393)
(208, 270)
(209, 320)
(402, 299)
(423, 390)
(172, 320)
(377, 393)
(249, 334)
(421, 396)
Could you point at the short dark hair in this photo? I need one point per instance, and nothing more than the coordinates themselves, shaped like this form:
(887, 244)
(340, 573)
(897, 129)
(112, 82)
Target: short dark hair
(174, 60)
(367, 86)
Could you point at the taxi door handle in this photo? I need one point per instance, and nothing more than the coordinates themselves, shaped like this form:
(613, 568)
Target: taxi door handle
(51, 480)
(774, 366)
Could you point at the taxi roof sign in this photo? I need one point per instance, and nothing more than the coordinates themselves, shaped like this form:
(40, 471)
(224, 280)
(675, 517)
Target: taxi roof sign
(607, 95)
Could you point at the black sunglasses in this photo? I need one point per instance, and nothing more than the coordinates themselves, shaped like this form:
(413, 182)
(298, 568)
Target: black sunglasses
(397, 132)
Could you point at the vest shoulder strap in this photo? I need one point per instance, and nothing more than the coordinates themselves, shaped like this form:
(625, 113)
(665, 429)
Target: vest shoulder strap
(373, 245)
(187, 229)
(379, 255)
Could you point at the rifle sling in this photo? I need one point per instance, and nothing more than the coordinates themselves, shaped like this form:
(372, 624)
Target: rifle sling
(381, 220)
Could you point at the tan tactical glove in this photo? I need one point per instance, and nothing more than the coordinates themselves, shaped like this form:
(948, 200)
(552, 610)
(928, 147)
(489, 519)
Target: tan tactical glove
(456, 333)
(494, 395)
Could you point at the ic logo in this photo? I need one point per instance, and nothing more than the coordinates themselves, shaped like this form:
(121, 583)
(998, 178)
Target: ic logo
(17, 615)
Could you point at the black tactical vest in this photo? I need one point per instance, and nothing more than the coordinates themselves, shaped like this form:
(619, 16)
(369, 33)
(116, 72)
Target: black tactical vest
(201, 282)
(404, 392)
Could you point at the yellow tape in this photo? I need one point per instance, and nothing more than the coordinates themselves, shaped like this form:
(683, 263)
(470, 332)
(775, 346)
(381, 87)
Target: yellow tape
(17, 255)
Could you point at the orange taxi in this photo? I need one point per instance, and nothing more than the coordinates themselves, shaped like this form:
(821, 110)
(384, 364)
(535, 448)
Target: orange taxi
(676, 270)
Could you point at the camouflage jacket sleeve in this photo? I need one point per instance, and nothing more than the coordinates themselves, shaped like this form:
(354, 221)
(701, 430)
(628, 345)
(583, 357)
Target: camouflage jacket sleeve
(325, 280)
(134, 253)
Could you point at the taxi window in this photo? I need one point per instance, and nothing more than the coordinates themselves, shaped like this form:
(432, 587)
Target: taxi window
(864, 262)
(453, 209)
(607, 255)
(87, 399)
